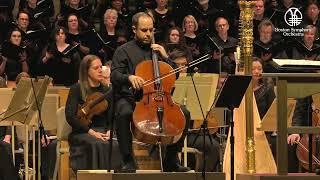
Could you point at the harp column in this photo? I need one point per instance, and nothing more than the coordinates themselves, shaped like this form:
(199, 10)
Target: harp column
(246, 49)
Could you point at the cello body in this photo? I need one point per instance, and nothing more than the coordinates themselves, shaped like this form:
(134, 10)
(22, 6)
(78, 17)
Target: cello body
(157, 118)
(302, 150)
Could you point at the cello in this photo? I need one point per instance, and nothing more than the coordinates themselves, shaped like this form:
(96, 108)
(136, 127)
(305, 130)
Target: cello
(157, 118)
(302, 150)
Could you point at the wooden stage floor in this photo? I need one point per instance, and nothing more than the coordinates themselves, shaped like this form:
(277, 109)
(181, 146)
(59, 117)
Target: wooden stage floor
(157, 175)
(145, 175)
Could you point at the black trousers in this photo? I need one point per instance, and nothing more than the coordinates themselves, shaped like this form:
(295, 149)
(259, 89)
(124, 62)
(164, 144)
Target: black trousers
(7, 169)
(293, 162)
(123, 116)
(210, 148)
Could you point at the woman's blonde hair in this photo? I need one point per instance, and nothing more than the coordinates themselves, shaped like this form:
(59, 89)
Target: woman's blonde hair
(84, 76)
(194, 21)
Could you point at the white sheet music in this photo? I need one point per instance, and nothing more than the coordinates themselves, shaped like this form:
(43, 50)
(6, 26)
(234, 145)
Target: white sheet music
(296, 62)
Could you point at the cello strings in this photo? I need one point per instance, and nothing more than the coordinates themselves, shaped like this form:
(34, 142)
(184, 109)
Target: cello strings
(313, 156)
(193, 63)
(197, 61)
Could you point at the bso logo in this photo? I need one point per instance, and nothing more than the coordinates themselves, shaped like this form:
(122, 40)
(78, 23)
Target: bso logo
(293, 16)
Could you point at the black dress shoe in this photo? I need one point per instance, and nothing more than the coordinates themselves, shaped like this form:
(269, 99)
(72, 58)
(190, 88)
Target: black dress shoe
(129, 167)
(176, 168)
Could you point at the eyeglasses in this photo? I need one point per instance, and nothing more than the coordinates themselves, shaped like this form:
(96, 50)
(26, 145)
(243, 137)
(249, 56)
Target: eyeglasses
(221, 25)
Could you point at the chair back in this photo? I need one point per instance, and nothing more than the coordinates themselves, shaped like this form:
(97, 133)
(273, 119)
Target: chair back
(63, 128)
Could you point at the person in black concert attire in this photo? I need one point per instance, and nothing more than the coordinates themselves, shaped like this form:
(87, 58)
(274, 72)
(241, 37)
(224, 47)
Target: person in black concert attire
(258, 16)
(78, 7)
(60, 59)
(163, 19)
(15, 58)
(89, 142)
(264, 95)
(222, 47)
(6, 7)
(190, 28)
(175, 41)
(205, 13)
(124, 15)
(78, 34)
(307, 48)
(124, 62)
(312, 14)
(265, 48)
(39, 11)
(262, 87)
(108, 33)
(34, 37)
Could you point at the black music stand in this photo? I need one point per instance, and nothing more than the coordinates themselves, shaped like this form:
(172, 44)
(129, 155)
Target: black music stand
(230, 96)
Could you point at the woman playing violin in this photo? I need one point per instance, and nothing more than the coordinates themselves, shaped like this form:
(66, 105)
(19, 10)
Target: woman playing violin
(88, 143)
(124, 62)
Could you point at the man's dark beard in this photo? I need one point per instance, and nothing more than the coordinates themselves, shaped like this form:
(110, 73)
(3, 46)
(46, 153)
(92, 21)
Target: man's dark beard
(142, 44)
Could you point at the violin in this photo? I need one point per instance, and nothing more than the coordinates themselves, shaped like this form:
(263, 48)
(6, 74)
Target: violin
(95, 104)
(157, 118)
(302, 150)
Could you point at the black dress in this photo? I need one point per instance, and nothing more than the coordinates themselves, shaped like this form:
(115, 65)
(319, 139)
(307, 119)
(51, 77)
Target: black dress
(264, 98)
(87, 152)
(63, 67)
(14, 62)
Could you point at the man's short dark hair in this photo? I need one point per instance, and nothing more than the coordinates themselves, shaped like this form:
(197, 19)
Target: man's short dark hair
(178, 53)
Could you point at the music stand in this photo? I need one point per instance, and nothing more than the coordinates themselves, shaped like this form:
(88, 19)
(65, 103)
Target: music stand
(26, 101)
(230, 96)
(23, 105)
(186, 92)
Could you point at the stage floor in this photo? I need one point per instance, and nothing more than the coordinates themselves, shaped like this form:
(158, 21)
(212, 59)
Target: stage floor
(145, 175)
(290, 176)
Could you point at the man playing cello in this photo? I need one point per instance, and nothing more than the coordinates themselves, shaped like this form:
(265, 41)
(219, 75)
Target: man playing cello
(124, 62)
